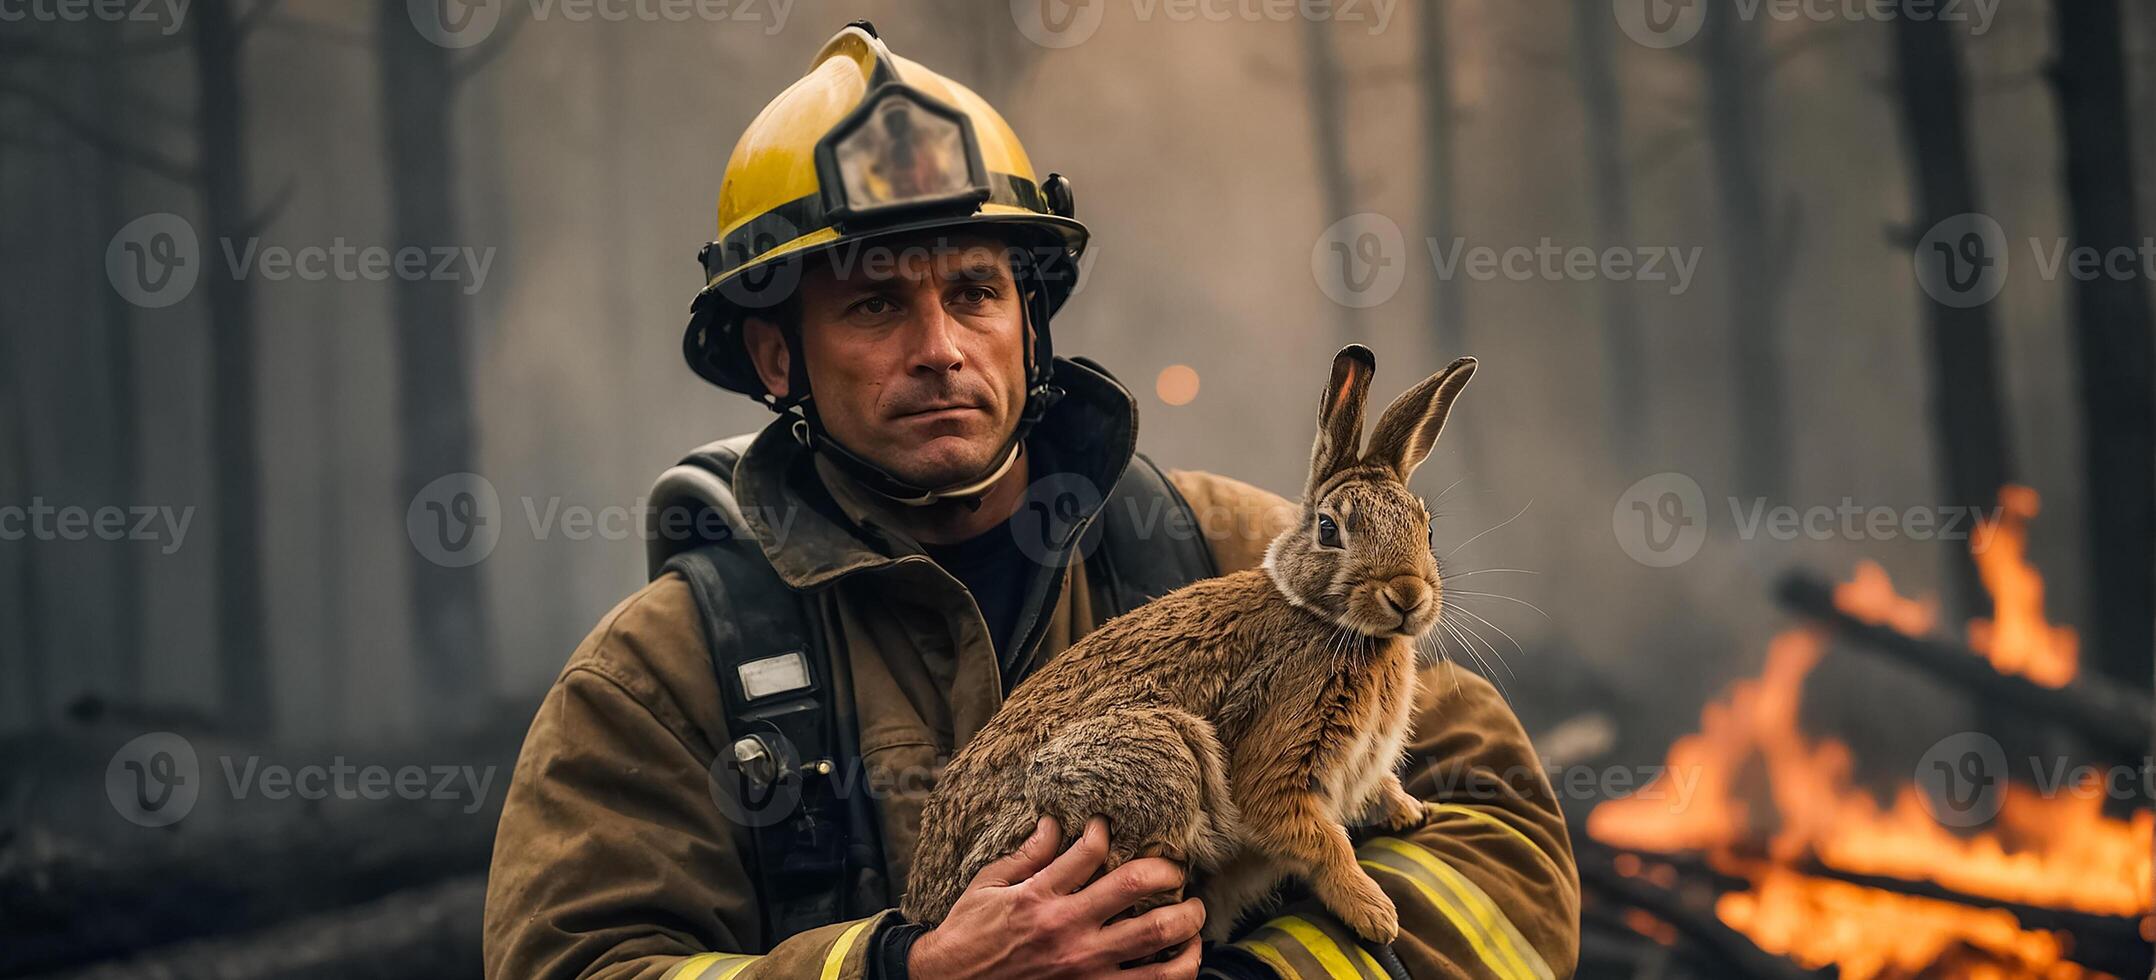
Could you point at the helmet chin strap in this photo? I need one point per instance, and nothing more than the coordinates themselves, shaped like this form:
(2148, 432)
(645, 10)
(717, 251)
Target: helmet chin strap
(1041, 395)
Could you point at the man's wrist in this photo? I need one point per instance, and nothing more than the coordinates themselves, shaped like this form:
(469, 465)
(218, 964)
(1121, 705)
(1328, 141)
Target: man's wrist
(894, 946)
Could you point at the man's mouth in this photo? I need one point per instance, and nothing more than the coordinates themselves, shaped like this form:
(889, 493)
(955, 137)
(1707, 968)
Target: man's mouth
(936, 412)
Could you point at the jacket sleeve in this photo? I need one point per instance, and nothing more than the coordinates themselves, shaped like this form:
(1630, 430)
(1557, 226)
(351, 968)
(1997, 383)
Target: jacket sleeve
(1486, 887)
(612, 860)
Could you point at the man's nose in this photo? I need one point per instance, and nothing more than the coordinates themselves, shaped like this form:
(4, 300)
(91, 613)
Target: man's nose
(934, 336)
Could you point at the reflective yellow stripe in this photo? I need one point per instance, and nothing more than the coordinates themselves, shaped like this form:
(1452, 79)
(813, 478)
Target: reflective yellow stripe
(1491, 819)
(840, 948)
(1461, 921)
(1264, 950)
(1518, 952)
(1320, 946)
(710, 966)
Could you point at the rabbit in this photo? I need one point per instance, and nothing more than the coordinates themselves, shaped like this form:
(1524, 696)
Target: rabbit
(1239, 724)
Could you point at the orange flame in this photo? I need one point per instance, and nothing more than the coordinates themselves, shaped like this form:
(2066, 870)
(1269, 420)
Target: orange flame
(2018, 640)
(2057, 851)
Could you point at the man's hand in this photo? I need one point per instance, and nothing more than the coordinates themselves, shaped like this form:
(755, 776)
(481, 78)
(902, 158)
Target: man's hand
(1032, 914)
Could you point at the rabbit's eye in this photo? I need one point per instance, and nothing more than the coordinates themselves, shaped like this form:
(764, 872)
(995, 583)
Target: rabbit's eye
(1433, 534)
(1328, 532)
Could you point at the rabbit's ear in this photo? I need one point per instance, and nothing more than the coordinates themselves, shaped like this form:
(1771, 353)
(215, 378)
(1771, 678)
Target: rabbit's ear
(1409, 427)
(1340, 414)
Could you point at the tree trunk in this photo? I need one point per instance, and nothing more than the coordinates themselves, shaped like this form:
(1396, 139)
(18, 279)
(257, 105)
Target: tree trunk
(434, 403)
(1329, 138)
(1434, 60)
(1968, 431)
(1623, 369)
(1730, 55)
(107, 177)
(2116, 354)
(243, 665)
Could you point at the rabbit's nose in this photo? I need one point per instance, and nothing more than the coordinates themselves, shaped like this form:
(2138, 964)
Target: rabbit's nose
(1406, 594)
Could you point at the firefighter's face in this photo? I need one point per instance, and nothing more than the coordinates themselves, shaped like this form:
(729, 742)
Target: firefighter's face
(915, 352)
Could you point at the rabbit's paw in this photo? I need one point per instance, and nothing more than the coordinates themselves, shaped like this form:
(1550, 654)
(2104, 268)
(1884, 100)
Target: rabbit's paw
(1362, 906)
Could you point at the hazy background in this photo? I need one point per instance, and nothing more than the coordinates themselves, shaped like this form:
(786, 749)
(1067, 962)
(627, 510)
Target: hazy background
(586, 155)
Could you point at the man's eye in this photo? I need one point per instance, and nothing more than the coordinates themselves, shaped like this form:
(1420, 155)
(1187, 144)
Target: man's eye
(1328, 532)
(976, 295)
(874, 306)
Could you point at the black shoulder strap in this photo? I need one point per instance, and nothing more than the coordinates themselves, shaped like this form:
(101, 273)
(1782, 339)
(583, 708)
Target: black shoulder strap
(813, 844)
(1151, 543)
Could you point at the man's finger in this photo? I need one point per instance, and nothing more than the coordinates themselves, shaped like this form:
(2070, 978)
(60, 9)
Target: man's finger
(1158, 929)
(1075, 867)
(1120, 889)
(1032, 855)
(1183, 967)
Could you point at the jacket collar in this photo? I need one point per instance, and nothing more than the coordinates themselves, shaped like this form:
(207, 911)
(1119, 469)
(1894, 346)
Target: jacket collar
(816, 525)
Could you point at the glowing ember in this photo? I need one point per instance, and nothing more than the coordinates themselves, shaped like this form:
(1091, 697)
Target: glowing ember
(2059, 851)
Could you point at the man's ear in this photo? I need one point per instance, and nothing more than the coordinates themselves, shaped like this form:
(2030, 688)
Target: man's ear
(769, 352)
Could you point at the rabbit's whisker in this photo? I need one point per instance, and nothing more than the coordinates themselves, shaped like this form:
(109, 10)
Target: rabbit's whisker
(1500, 631)
(1456, 549)
(1486, 571)
(1449, 593)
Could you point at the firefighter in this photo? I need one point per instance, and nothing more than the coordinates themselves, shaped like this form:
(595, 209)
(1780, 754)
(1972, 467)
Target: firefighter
(727, 778)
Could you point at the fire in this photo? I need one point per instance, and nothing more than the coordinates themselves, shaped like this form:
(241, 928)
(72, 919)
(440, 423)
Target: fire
(1866, 932)
(2019, 640)
(2057, 851)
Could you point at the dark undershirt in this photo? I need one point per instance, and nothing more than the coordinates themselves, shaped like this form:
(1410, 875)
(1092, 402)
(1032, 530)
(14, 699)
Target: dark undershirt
(991, 566)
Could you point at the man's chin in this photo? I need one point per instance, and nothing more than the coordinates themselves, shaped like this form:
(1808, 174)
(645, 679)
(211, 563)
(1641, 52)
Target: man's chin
(942, 462)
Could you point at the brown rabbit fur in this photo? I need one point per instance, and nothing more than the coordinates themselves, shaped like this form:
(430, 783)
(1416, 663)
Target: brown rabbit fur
(1237, 724)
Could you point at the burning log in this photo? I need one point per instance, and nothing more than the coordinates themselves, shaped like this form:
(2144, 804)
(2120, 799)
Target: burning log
(2111, 944)
(1599, 875)
(2115, 720)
